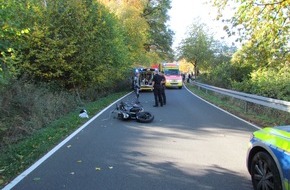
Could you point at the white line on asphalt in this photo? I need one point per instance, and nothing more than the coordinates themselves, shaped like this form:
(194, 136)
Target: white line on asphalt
(51, 152)
(257, 127)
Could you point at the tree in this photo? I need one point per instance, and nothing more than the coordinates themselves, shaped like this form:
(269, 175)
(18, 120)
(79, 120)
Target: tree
(134, 26)
(185, 67)
(222, 52)
(11, 34)
(76, 44)
(196, 48)
(160, 36)
(145, 21)
(263, 26)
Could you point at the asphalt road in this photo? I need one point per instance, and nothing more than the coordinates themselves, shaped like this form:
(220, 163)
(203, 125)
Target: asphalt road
(190, 145)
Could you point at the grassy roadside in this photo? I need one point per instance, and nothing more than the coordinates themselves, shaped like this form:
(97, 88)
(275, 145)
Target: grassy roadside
(15, 158)
(258, 115)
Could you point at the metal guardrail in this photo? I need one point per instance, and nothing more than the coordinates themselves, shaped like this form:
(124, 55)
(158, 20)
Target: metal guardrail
(268, 102)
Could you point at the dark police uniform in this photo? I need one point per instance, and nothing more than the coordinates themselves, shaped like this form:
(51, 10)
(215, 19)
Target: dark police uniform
(157, 89)
(163, 89)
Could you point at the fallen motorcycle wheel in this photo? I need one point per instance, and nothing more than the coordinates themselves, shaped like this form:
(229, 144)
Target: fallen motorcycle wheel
(144, 117)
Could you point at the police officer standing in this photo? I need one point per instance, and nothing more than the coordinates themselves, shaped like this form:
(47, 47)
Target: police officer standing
(137, 83)
(163, 87)
(156, 83)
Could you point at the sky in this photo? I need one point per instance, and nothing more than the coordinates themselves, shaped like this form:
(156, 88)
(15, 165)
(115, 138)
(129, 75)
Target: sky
(183, 13)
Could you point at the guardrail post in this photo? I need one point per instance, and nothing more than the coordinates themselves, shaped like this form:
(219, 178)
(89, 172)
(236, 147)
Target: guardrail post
(246, 106)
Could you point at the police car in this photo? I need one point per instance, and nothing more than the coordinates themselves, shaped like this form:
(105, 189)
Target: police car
(268, 158)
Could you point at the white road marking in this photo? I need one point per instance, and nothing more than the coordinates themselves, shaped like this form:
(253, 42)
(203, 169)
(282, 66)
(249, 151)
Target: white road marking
(51, 152)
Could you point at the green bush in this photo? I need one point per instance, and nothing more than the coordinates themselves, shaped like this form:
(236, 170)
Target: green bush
(223, 75)
(268, 82)
(26, 107)
(272, 82)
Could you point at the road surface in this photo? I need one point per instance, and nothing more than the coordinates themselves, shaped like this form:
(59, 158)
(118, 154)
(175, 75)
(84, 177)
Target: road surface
(190, 145)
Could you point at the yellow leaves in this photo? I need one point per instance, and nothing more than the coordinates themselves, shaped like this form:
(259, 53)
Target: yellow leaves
(185, 66)
(129, 13)
(25, 31)
(135, 4)
(36, 179)
(99, 168)
(21, 32)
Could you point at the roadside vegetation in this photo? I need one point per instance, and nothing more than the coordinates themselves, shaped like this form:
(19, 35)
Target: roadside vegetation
(57, 57)
(259, 63)
(63, 54)
(16, 157)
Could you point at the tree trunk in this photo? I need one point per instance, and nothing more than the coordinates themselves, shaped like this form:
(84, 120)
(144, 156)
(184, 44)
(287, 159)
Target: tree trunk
(195, 70)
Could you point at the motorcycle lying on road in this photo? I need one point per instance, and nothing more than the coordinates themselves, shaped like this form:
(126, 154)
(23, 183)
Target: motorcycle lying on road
(126, 111)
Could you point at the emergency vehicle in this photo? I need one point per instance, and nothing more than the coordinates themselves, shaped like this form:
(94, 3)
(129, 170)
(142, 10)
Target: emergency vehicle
(172, 74)
(268, 158)
(144, 80)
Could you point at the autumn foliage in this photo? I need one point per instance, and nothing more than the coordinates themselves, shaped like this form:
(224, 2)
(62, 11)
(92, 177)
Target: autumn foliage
(58, 54)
